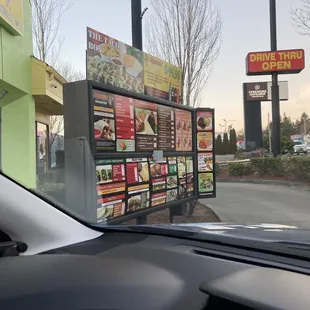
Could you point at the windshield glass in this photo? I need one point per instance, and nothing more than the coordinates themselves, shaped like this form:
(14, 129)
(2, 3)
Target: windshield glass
(162, 122)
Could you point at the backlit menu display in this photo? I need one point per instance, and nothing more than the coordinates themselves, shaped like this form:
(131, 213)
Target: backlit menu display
(124, 124)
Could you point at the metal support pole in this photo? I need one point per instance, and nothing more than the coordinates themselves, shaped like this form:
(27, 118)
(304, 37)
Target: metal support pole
(136, 24)
(276, 131)
(136, 28)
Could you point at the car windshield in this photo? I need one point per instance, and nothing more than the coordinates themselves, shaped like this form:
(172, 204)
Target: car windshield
(157, 112)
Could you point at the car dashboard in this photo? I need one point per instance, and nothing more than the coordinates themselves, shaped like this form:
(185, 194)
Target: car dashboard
(143, 271)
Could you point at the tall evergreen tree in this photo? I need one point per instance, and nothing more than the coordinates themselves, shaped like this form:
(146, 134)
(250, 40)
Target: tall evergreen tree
(218, 145)
(232, 141)
(225, 144)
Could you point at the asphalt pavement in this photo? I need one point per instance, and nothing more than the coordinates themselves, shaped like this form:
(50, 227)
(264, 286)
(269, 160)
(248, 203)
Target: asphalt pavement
(259, 203)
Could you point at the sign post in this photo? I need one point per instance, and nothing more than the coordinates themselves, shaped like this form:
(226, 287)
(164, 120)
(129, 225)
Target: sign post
(136, 24)
(276, 132)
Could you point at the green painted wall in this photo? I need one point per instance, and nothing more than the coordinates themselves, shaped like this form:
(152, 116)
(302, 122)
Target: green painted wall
(18, 142)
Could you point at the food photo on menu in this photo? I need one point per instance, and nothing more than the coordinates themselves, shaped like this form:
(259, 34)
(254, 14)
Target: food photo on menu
(146, 122)
(205, 141)
(114, 63)
(137, 170)
(181, 167)
(105, 213)
(172, 195)
(158, 169)
(172, 181)
(204, 121)
(138, 201)
(111, 207)
(104, 128)
(123, 145)
(205, 162)
(158, 199)
(183, 130)
(158, 184)
(104, 174)
(205, 182)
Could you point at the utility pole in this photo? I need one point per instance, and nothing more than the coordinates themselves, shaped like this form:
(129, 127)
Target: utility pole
(276, 133)
(136, 24)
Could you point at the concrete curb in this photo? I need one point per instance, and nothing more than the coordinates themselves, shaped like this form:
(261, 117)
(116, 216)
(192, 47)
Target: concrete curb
(268, 182)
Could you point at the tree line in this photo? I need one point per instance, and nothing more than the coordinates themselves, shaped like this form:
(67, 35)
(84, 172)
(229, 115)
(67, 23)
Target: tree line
(227, 145)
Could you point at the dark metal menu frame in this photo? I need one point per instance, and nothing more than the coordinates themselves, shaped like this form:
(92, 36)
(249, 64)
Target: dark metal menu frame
(80, 150)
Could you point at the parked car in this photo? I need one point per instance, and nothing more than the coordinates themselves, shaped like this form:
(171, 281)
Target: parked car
(299, 147)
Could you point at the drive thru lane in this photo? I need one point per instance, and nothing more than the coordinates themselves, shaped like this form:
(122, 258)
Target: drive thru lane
(256, 203)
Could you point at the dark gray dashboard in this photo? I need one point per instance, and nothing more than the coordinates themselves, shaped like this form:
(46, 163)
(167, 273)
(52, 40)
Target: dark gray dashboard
(138, 271)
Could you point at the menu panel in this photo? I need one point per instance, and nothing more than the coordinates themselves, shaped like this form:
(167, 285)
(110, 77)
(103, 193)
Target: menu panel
(146, 119)
(110, 207)
(166, 128)
(205, 162)
(183, 130)
(205, 152)
(125, 126)
(137, 170)
(190, 176)
(104, 123)
(204, 120)
(158, 199)
(205, 141)
(138, 201)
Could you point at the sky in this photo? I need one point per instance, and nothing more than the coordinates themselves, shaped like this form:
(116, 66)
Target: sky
(245, 29)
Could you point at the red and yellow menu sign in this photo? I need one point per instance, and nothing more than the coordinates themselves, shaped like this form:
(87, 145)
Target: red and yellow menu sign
(285, 62)
(117, 64)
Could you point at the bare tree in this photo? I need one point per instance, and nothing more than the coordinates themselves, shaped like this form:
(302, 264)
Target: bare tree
(46, 16)
(68, 71)
(301, 18)
(186, 33)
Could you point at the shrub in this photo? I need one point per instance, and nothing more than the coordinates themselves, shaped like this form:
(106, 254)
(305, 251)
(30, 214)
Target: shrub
(267, 165)
(217, 168)
(297, 166)
(239, 169)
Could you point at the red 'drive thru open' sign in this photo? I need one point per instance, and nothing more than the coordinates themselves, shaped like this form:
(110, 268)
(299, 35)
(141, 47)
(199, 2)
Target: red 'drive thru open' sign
(283, 62)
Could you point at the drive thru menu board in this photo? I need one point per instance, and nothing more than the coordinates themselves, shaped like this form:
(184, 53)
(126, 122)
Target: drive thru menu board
(111, 136)
(124, 124)
(205, 152)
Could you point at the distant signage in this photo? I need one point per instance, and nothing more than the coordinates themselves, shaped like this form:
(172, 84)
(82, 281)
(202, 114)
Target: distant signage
(114, 63)
(261, 91)
(283, 62)
(11, 16)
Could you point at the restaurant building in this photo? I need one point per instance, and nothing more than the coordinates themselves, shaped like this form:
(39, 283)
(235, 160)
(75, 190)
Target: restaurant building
(30, 91)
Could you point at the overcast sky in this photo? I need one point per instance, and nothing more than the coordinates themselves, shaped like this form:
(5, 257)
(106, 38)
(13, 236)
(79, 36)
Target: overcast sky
(245, 29)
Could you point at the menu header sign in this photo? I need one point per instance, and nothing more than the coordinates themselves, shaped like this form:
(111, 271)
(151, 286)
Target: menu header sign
(283, 62)
(114, 63)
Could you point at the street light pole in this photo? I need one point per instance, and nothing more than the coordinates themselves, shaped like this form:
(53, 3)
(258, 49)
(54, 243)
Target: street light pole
(136, 24)
(276, 133)
(227, 121)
